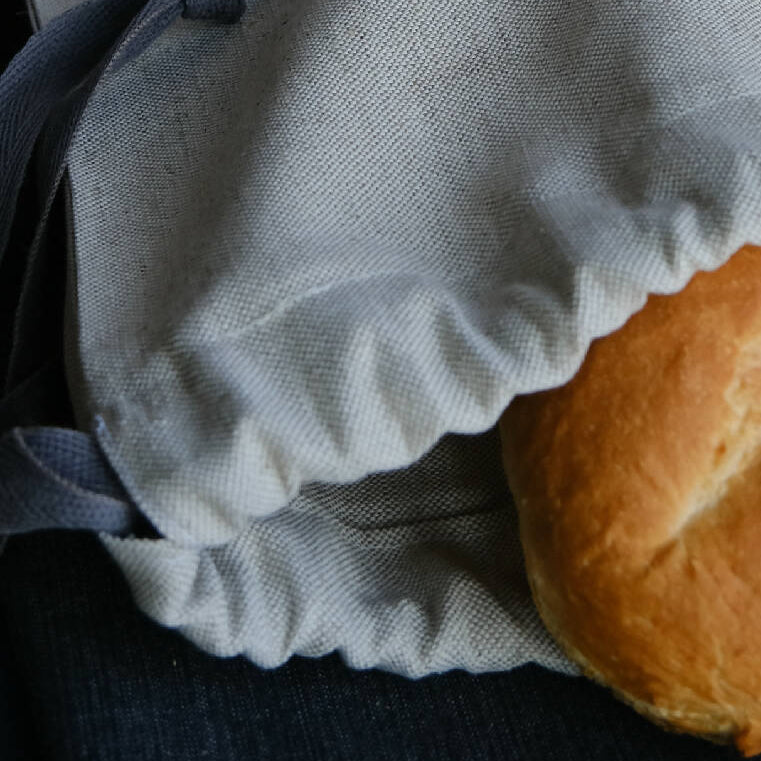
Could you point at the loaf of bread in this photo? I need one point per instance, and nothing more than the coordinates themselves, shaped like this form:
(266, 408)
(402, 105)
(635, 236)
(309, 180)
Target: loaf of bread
(638, 485)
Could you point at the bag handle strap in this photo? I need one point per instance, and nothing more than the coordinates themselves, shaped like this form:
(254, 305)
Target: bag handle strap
(56, 477)
(65, 59)
(54, 76)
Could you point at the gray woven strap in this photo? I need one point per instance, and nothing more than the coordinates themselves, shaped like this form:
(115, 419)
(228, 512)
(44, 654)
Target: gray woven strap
(52, 477)
(58, 478)
(65, 59)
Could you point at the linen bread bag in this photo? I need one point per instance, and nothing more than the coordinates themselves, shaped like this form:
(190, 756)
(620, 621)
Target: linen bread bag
(316, 253)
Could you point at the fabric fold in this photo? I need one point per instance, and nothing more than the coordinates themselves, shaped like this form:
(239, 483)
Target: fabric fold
(309, 246)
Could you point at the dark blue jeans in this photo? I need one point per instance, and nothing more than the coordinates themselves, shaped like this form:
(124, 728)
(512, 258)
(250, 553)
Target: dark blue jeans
(94, 679)
(84, 675)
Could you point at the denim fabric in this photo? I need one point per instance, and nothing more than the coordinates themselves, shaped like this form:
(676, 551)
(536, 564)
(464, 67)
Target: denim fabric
(16, 29)
(103, 682)
(12, 713)
(228, 11)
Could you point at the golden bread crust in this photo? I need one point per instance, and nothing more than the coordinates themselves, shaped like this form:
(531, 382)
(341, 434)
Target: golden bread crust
(638, 485)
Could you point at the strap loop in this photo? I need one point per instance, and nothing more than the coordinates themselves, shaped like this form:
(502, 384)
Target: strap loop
(53, 477)
(58, 478)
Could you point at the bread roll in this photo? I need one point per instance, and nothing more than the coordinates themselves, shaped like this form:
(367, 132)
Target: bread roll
(638, 485)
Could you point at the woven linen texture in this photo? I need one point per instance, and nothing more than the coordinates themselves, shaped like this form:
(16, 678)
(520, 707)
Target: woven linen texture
(309, 246)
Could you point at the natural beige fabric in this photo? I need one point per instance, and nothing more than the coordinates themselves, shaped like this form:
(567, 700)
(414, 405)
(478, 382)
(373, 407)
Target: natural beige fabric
(310, 245)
